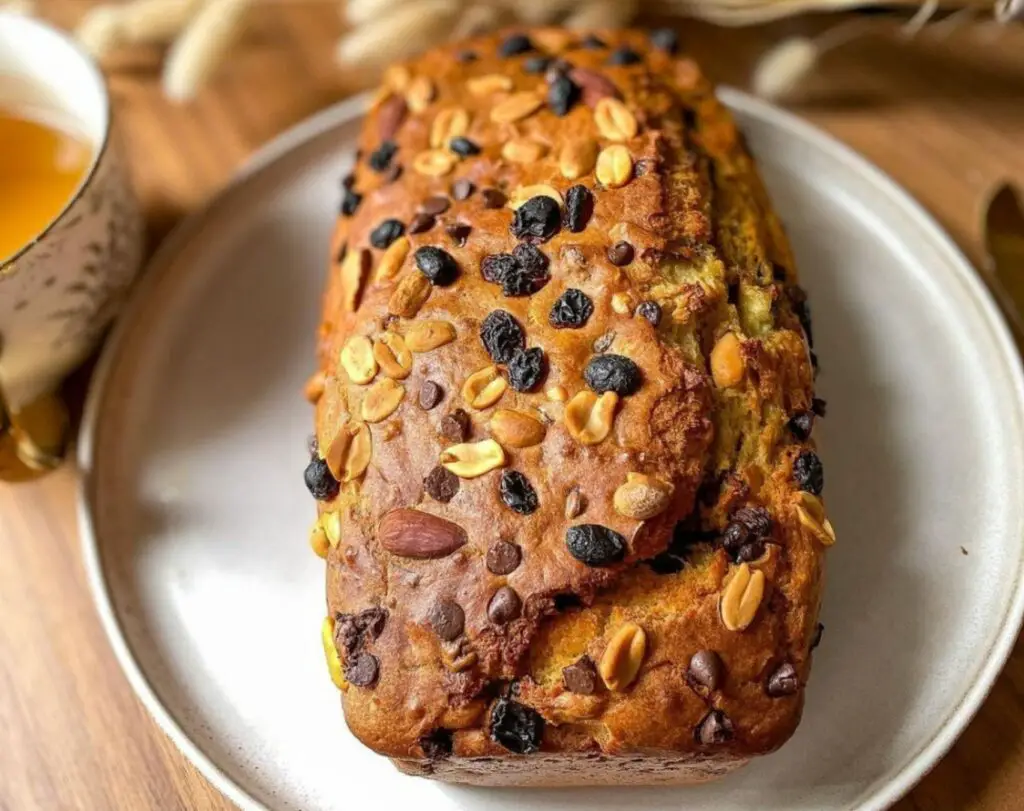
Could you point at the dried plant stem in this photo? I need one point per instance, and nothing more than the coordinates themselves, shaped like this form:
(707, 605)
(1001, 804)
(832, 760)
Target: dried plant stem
(202, 45)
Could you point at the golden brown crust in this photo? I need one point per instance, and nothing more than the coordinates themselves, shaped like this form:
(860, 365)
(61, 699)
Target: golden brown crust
(707, 432)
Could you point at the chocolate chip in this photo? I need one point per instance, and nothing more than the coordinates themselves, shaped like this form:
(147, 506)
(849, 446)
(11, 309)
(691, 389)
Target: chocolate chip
(515, 45)
(517, 493)
(350, 201)
(571, 310)
(492, 198)
(579, 206)
(441, 484)
(504, 606)
(563, 93)
(459, 232)
(503, 557)
(624, 56)
(455, 426)
(536, 64)
(420, 223)
(438, 204)
(816, 639)
(436, 744)
(320, 481)
(604, 342)
(593, 43)
(665, 39)
(621, 254)
(809, 473)
(462, 188)
(502, 336)
(594, 544)
(430, 395)
(351, 631)
(580, 677)
(705, 670)
(447, 619)
(526, 369)
(613, 373)
(650, 311)
(783, 682)
(387, 232)
(466, 56)
(715, 728)
(463, 147)
(515, 726)
(437, 265)
(363, 671)
(539, 218)
(380, 159)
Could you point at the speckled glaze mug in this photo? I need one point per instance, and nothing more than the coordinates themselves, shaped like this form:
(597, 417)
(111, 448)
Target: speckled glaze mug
(60, 291)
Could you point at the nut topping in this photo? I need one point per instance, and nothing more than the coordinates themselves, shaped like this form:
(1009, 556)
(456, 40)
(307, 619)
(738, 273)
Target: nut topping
(448, 123)
(484, 388)
(349, 453)
(331, 654)
(354, 270)
(434, 162)
(524, 193)
(357, 360)
(472, 459)
(411, 294)
(516, 107)
(391, 260)
(489, 84)
(614, 166)
(642, 497)
(424, 336)
(589, 417)
(811, 513)
(578, 158)
(741, 597)
(621, 660)
(727, 362)
(523, 151)
(393, 356)
(382, 399)
(420, 93)
(318, 540)
(415, 534)
(614, 120)
(516, 429)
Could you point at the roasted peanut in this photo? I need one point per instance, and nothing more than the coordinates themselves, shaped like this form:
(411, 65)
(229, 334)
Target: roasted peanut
(484, 388)
(578, 158)
(491, 83)
(523, 193)
(471, 459)
(621, 660)
(448, 123)
(424, 336)
(614, 166)
(589, 417)
(642, 497)
(521, 150)
(614, 120)
(411, 294)
(391, 260)
(741, 597)
(516, 429)
(357, 360)
(434, 162)
(348, 454)
(392, 355)
(727, 362)
(811, 513)
(331, 654)
(516, 107)
(381, 400)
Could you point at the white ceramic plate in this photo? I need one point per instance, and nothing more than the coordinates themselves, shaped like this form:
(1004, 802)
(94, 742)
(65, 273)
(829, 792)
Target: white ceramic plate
(194, 516)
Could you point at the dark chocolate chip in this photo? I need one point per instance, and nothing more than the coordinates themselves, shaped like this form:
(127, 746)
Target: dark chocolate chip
(438, 204)
(593, 43)
(613, 373)
(801, 424)
(621, 254)
(624, 55)
(441, 484)
(387, 232)
(563, 93)
(517, 493)
(579, 206)
(715, 728)
(455, 426)
(503, 557)
(514, 45)
(539, 218)
(447, 619)
(809, 473)
(363, 670)
(594, 544)
(650, 311)
(371, 621)
(430, 395)
(526, 369)
(437, 265)
(320, 481)
(350, 201)
(536, 64)
(705, 670)
(580, 677)
(783, 682)
(493, 198)
(380, 159)
(665, 39)
(504, 606)
(571, 310)
(463, 147)
(502, 336)
(459, 232)
(420, 223)
(462, 188)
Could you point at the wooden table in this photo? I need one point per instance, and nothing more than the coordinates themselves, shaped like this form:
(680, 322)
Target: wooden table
(946, 120)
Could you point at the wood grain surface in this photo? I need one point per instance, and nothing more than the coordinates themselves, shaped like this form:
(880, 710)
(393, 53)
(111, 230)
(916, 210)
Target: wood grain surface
(946, 119)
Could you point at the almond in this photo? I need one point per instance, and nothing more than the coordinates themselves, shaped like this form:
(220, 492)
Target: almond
(516, 429)
(414, 534)
(390, 115)
(595, 86)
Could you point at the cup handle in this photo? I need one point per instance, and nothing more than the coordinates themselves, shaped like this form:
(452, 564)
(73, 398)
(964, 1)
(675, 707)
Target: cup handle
(38, 433)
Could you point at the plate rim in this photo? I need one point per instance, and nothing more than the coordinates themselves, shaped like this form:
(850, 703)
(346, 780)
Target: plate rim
(875, 798)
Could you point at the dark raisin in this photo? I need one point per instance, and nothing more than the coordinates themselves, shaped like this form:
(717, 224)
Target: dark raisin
(580, 677)
(350, 201)
(459, 232)
(320, 480)
(536, 64)
(613, 373)
(783, 682)
(665, 39)
(801, 424)
(705, 670)
(594, 544)
(462, 188)
(714, 728)
(579, 206)
(430, 395)
(380, 158)
(624, 56)
(809, 473)
(621, 254)
(798, 300)
(503, 557)
(593, 43)
(751, 551)
(563, 93)
(571, 310)
(526, 369)
(504, 606)
(348, 181)
(529, 274)
(437, 265)
(567, 601)
(438, 204)
(466, 56)
(502, 336)
(515, 726)
(514, 45)
(441, 484)
(463, 147)
(420, 223)
(735, 537)
(363, 670)
(650, 311)
(447, 619)
(536, 219)
(756, 519)
(517, 493)
(497, 266)
(818, 631)
(437, 744)
(819, 406)
(455, 426)
(557, 67)
(493, 198)
(386, 233)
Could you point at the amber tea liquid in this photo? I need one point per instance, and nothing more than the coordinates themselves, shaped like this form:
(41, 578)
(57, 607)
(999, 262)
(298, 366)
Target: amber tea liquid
(41, 165)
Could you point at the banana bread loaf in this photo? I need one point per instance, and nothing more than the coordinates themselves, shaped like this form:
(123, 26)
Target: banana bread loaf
(568, 497)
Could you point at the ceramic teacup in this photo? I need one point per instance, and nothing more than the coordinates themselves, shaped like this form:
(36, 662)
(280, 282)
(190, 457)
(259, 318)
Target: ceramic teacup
(60, 291)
